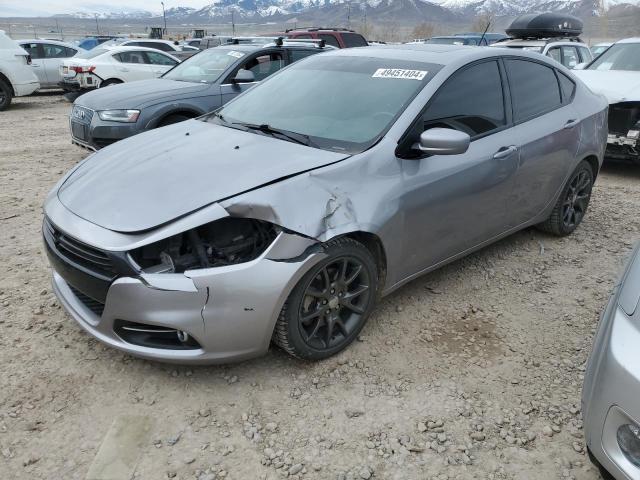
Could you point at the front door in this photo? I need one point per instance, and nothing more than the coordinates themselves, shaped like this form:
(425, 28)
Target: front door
(455, 202)
(261, 65)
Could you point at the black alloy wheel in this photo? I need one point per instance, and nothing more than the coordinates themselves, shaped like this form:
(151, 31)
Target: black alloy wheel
(331, 303)
(572, 204)
(334, 302)
(5, 95)
(576, 199)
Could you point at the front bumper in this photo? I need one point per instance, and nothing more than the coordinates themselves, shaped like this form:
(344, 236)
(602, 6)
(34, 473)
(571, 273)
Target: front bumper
(93, 133)
(230, 311)
(612, 388)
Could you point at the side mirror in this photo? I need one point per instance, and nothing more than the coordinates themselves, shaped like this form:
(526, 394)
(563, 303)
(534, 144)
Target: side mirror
(580, 66)
(443, 141)
(244, 76)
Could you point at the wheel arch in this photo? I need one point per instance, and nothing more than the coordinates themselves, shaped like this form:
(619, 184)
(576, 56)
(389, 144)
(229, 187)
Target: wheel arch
(191, 113)
(5, 79)
(374, 244)
(594, 164)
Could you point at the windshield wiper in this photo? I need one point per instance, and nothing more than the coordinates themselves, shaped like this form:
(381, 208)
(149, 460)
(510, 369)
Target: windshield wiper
(295, 137)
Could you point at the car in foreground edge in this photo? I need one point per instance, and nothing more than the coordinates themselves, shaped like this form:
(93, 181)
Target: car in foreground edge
(287, 213)
(610, 407)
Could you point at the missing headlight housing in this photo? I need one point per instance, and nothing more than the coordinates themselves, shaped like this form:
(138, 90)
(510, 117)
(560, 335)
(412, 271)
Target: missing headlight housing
(228, 241)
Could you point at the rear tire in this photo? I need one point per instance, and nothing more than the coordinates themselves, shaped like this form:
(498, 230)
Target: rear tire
(171, 119)
(6, 95)
(572, 203)
(331, 303)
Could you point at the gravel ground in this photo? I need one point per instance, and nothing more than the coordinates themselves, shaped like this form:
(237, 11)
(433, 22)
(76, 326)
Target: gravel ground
(473, 371)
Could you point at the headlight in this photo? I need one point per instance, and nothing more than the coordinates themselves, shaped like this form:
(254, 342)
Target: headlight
(228, 241)
(125, 116)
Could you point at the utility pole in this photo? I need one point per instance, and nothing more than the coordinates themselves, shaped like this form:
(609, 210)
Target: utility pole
(164, 15)
(233, 24)
(97, 26)
(349, 15)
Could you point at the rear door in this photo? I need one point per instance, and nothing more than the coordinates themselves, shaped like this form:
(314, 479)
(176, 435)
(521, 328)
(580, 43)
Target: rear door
(132, 65)
(547, 130)
(37, 61)
(159, 62)
(53, 57)
(262, 65)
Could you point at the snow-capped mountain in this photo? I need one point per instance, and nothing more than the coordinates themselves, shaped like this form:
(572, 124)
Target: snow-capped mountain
(326, 10)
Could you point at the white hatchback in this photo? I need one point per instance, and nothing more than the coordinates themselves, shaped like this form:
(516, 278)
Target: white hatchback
(104, 66)
(16, 75)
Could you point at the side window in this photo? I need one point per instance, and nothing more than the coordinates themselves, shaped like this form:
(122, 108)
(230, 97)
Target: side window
(329, 39)
(156, 58)
(296, 55)
(71, 51)
(585, 53)
(158, 46)
(567, 86)
(301, 35)
(54, 51)
(534, 88)
(133, 44)
(471, 101)
(353, 40)
(264, 65)
(471, 41)
(130, 57)
(555, 53)
(570, 56)
(33, 50)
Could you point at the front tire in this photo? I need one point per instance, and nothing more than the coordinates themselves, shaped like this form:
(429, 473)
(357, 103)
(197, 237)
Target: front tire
(572, 204)
(330, 305)
(6, 95)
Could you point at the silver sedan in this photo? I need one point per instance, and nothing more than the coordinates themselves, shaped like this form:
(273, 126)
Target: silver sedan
(611, 393)
(290, 211)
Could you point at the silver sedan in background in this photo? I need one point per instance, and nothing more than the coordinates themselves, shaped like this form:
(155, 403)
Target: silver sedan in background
(611, 393)
(287, 213)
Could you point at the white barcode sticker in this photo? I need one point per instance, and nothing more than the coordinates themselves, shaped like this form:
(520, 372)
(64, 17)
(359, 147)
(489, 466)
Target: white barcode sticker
(400, 73)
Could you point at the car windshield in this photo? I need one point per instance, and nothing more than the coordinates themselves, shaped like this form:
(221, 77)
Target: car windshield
(91, 53)
(446, 41)
(621, 56)
(338, 103)
(205, 67)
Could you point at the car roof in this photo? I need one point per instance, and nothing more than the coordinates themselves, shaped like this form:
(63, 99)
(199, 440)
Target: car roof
(127, 48)
(629, 40)
(428, 53)
(255, 47)
(42, 40)
(154, 40)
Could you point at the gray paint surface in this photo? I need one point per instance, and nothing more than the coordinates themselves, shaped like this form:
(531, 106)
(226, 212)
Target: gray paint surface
(425, 212)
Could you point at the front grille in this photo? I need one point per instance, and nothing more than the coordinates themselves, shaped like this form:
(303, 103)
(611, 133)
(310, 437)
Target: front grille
(89, 257)
(93, 305)
(623, 117)
(82, 114)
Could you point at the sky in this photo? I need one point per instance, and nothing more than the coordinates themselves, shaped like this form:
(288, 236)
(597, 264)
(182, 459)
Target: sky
(37, 8)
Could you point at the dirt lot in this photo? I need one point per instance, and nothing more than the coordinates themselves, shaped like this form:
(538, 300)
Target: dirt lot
(473, 371)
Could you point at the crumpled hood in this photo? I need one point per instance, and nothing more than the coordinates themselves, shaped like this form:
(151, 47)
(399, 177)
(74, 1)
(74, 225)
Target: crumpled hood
(137, 94)
(155, 177)
(617, 85)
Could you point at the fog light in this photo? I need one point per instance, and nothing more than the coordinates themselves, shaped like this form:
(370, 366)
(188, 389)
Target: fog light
(183, 336)
(629, 441)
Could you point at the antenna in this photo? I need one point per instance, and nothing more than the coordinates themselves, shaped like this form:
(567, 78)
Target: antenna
(485, 32)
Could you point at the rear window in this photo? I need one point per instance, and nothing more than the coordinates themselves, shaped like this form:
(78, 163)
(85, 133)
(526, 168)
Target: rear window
(353, 40)
(534, 88)
(329, 39)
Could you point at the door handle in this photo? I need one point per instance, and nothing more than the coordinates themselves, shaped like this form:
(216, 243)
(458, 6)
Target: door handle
(570, 124)
(504, 152)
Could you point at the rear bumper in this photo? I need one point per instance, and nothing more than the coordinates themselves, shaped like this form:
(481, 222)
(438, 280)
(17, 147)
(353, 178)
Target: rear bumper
(22, 89)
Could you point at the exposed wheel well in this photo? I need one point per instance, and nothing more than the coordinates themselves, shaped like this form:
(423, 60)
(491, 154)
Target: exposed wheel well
(186, 113)
(595, 166)
(111, 80)
(8, 82)
(375, 246)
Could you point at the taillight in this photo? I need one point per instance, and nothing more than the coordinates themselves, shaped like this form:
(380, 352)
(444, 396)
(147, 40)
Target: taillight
(80, 69)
